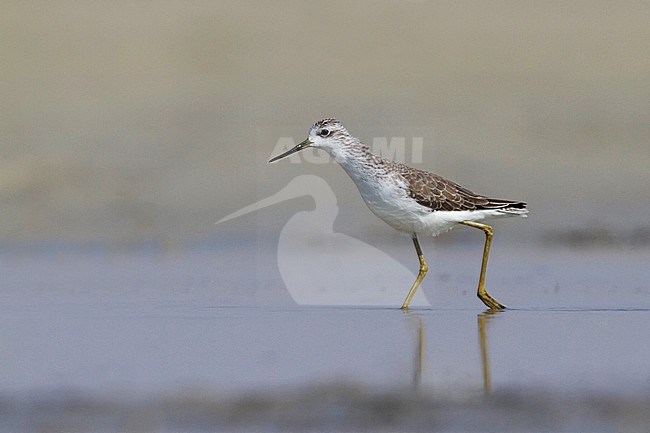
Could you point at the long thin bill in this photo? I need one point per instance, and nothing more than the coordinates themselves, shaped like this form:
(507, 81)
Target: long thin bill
(298, 147)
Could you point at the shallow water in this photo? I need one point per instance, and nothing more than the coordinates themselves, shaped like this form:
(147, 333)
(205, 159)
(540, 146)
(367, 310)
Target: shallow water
(97, 337)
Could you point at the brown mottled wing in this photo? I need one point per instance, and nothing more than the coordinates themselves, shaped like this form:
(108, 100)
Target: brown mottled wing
(440, 194)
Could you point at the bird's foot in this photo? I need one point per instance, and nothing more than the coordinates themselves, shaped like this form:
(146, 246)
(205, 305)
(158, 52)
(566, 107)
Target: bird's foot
(490, 302)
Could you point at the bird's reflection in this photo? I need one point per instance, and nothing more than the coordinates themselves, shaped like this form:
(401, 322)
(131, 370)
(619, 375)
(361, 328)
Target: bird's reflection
(483, 320)
(418, 359)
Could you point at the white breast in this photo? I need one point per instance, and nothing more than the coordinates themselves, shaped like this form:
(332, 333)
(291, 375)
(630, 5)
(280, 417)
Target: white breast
(387, 197)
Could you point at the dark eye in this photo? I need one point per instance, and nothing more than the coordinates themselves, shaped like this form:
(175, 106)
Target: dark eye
(324, 132)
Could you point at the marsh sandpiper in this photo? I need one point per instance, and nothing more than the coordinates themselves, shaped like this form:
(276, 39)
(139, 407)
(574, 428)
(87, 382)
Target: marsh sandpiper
(408, 199)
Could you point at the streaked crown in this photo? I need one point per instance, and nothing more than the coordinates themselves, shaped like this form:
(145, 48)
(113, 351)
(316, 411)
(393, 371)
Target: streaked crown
(328, 133)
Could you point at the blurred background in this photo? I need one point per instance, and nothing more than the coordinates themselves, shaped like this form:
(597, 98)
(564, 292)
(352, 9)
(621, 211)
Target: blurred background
(131, 127)
(129, 122)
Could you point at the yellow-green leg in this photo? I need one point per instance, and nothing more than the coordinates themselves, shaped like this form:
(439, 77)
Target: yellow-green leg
(483, 295)
(423, 271)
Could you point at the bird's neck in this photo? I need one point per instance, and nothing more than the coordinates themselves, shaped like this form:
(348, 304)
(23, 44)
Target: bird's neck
(357, 160)
(351, 153)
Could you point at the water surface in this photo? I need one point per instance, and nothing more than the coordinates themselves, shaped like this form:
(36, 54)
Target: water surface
(92, 330)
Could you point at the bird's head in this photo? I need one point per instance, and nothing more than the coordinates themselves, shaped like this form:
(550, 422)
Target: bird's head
(326, 134)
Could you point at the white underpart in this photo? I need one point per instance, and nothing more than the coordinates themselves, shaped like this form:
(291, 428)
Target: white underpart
(389, 200)
(386, 194)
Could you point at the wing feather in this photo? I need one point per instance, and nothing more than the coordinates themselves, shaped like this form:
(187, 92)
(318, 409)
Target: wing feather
(440, 194)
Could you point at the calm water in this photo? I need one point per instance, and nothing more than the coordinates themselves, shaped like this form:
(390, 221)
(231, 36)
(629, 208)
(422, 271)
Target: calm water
(203, 338)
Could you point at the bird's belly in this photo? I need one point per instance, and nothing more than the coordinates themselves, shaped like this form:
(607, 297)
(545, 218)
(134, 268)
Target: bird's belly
(420, 222)
(415, 218)
(401, 212)
(395, 207)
